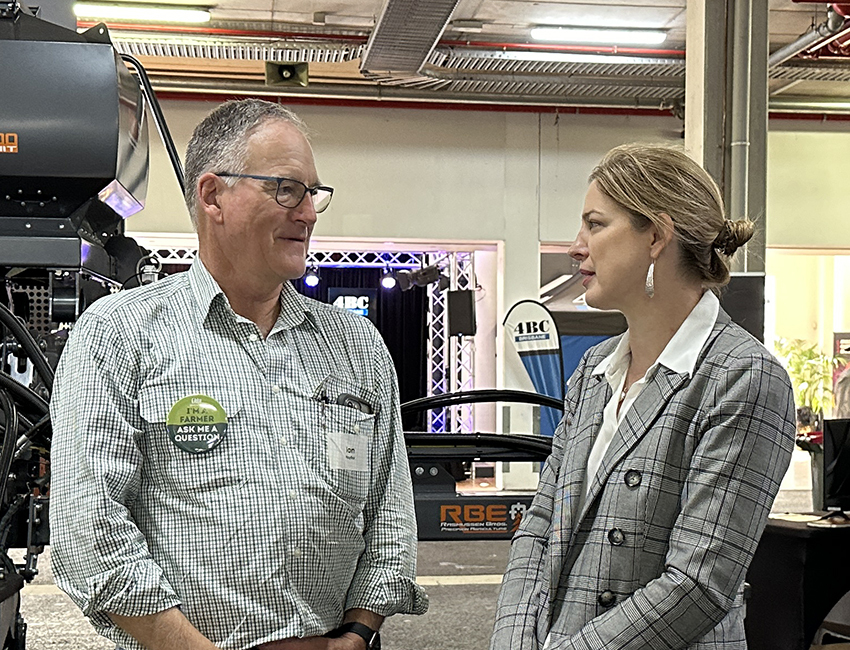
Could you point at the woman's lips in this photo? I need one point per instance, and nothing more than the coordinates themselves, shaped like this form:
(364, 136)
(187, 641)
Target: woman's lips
(587, 278)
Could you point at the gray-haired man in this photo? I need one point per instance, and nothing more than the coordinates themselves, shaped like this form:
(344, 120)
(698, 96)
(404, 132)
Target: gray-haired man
(228, 464)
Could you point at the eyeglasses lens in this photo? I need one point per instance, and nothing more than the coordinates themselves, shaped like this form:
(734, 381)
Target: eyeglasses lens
(321, 200)
(290, 193)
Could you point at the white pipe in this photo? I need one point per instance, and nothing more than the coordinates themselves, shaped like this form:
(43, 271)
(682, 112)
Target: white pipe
(739, 158)
(827, 28)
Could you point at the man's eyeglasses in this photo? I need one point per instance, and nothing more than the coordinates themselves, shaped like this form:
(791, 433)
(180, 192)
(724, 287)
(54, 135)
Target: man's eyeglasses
(290, 192)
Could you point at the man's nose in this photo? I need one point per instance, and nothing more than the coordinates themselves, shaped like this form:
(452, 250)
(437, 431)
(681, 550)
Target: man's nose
(306, 211)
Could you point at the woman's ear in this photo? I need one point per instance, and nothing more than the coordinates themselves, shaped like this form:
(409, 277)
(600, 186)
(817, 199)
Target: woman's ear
(210, 189)
(662, 235)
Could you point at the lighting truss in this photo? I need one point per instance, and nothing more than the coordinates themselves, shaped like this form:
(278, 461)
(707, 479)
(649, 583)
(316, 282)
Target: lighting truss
(450, 360)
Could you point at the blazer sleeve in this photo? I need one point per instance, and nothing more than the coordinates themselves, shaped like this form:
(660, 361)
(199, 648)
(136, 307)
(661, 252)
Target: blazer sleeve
(522, 608)
(747, 435)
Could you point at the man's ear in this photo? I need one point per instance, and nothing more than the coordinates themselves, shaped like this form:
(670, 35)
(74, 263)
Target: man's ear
(210, 189)
(662, 235)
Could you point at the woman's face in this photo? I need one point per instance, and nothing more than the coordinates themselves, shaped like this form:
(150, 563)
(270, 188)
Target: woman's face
(614, 256)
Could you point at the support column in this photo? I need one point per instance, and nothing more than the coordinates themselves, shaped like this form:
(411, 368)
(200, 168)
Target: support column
(726, 123)
(705, 85)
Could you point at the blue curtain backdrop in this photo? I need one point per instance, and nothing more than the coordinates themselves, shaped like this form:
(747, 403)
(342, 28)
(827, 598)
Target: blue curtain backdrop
(573, 347)
(544, 369)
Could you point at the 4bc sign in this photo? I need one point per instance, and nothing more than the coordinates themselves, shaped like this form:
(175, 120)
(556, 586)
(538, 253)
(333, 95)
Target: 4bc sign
(8, 143)
(532, 327)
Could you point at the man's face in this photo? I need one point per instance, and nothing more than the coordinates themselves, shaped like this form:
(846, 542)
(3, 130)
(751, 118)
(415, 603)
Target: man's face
(263, 239)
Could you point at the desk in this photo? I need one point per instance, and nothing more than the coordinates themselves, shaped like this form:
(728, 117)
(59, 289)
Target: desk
(797, 575)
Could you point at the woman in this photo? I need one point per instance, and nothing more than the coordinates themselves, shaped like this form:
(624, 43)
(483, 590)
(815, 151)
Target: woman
(674, 439)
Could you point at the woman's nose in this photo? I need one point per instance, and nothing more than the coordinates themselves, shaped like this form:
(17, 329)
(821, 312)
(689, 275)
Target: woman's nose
(578, 249)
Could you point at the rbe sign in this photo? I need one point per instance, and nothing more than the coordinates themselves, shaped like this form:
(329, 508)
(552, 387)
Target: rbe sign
(8, 143)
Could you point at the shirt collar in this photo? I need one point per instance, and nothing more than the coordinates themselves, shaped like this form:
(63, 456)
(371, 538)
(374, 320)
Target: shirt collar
(294, 309)
(681, 352)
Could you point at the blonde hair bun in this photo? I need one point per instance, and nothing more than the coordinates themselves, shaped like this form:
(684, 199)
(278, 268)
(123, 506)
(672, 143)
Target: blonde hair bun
(733, 235)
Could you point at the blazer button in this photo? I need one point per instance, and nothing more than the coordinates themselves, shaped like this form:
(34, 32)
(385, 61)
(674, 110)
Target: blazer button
(607, 598)
(633, 478)
(616, 536)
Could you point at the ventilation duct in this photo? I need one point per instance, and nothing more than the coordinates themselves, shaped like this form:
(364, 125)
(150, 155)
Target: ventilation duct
(405, 34)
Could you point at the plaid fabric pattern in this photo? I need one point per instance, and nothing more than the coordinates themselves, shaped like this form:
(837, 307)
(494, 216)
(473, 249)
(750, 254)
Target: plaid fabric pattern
(657, 555)
(264, 536)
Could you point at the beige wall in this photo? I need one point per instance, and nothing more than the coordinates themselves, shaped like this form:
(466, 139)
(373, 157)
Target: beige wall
(811, 295)
(807, 182)
(519, 178)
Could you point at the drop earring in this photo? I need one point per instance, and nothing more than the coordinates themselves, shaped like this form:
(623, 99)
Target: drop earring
(650, 280)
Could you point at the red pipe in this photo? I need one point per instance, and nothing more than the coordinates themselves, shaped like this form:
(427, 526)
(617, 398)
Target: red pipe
(413, 104)
(596, 49)
(499, 108)
(218, 31)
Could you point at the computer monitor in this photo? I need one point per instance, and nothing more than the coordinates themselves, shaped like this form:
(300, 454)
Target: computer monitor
(836, 464)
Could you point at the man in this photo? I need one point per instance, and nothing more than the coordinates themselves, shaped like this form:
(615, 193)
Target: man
(228, 464)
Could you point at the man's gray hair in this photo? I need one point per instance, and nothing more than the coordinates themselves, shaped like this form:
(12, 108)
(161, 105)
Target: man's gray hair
(220, 142)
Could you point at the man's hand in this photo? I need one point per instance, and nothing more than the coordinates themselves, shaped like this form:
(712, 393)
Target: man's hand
(345, 642)
(349, 641)
(310, 643)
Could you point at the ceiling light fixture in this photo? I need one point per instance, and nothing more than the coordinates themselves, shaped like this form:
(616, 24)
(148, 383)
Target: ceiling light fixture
(145, 13)
(599, 35)
(388, 280)
(311, 278)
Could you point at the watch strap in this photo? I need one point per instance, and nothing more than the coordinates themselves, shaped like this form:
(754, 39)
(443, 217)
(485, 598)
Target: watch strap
(370, 636)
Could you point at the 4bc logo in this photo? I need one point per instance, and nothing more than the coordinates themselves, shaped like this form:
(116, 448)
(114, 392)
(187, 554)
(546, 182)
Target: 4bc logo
(8, 143)
(532, 327)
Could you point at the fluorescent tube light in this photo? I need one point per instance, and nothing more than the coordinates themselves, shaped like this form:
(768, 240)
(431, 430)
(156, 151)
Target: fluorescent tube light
(146, 13)
(599, 35)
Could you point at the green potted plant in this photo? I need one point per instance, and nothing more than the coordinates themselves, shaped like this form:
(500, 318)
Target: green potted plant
(811, 372)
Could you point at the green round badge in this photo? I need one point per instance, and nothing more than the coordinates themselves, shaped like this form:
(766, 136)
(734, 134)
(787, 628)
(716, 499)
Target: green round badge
(196, 424)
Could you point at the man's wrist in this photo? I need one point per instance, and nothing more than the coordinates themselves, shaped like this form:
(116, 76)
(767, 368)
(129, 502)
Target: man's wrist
(371, 637)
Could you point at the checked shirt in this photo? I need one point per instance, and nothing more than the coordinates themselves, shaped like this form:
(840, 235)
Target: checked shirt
(303, 510)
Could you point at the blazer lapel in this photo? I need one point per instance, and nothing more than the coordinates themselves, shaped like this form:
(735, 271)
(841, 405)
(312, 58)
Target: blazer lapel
(643, 412)
(573, 470)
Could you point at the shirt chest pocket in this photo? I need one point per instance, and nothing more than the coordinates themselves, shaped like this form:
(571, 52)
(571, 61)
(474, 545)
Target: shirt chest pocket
(348, 435)
(203, 448)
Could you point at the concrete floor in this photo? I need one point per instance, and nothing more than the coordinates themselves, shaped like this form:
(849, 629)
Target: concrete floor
(461, 578)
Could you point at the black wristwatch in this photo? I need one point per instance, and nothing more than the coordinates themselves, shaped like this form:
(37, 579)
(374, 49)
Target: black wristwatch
(370, 636)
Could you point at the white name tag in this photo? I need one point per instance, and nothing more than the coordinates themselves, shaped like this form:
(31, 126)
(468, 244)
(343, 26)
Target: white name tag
(348, 451)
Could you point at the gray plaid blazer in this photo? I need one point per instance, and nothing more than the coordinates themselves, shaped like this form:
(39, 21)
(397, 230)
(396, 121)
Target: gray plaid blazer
(657, 556)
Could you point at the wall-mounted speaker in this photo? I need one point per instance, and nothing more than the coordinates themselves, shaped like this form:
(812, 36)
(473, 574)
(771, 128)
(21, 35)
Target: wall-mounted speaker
(460, 306)
(286, 74)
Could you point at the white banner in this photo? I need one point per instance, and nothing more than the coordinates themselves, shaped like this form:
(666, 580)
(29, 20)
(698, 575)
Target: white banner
(531, 328)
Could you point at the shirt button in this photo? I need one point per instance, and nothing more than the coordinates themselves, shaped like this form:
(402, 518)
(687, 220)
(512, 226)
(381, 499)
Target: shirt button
(616, 536)
(296, 552)
(633, 478)
(293, 494)
(253, 337)
(275, 389)
(607, 598)
(282, 441)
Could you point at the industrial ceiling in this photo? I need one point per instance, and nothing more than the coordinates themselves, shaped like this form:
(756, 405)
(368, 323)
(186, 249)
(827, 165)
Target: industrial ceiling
(473, 51)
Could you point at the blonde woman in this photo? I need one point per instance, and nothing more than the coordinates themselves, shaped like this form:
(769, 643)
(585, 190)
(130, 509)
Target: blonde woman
(674, 439)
